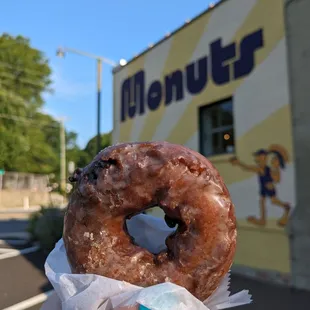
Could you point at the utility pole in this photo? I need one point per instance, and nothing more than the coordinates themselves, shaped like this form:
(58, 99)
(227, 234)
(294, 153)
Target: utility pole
(61, 52)
(99, 69)
(62, 155)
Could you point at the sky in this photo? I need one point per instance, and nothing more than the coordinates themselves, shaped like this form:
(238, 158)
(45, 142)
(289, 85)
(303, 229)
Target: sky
(113, 29)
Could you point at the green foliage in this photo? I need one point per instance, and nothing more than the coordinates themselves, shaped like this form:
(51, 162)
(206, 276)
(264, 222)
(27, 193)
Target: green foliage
(24, 77)
(46, 227)
(34, 217)
(91, 147)
(24, 70)
(90, 151)
(32, 146)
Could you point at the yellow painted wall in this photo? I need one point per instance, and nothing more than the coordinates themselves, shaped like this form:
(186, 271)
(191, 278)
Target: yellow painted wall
(261, 114)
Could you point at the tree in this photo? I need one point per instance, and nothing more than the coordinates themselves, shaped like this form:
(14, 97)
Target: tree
(91, 146)
(84, 157)
(24, 71)
(30, 139)
(33, 145)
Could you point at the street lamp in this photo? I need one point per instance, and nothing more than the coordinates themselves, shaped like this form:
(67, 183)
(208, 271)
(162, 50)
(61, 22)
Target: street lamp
(61, 52)
(123, 62)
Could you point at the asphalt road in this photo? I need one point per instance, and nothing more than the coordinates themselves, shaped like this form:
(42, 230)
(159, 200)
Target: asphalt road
(23, 277)
(270, 297)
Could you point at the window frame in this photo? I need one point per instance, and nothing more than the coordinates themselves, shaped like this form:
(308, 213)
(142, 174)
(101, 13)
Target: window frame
(201, 111)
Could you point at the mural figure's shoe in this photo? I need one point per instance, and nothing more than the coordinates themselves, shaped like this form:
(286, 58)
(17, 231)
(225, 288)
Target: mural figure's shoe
(284, 219)
(256, 221)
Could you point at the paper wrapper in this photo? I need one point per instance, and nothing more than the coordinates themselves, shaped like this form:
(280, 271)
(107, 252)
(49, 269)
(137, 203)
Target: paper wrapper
(92, 292)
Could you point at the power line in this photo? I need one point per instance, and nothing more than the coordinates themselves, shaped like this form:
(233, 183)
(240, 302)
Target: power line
(27, 120)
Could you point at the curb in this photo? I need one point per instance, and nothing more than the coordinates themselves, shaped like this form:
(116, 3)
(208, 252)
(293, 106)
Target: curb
(15, 235)
(22, 210)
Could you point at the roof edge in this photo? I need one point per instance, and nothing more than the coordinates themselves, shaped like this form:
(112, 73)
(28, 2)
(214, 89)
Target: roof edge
(209, 9)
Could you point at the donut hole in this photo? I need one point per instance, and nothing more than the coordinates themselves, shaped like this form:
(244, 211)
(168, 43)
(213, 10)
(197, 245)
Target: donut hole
(150, 228)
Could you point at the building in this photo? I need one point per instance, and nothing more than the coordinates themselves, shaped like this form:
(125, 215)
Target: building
(232, 85)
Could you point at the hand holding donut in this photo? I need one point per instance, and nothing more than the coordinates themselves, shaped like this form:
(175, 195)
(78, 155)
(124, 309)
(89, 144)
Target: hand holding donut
(126, 179)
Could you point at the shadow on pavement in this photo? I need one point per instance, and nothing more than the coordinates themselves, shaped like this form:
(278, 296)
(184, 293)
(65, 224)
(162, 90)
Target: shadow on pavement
(22, 276)
(270, 297)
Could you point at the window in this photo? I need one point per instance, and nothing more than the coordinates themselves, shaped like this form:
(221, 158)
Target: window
(217, 128)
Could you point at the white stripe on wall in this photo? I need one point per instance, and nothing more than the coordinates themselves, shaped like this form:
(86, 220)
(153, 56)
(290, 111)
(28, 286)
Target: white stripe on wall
(154, 64)
(235, 12)
(193, 142)
(263, 92)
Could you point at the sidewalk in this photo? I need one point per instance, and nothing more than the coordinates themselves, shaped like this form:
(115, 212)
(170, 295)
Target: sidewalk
(19, 213)
(19, 210)
(26, 210)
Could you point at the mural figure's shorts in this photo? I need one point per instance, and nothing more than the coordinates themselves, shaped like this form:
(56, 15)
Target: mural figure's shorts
(265, 192)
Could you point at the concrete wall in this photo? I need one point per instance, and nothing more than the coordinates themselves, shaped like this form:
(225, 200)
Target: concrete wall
(298, 41)
(15, 198)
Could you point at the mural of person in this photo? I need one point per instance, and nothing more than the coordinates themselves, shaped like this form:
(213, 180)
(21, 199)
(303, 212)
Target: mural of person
(268, 176)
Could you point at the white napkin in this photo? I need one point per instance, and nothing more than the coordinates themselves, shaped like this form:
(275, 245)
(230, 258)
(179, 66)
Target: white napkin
(93, 292)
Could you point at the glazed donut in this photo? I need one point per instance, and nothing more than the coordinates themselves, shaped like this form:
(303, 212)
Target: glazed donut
(126, 179)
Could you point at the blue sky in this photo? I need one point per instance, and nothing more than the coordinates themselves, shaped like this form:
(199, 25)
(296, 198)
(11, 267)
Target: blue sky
(113, 29)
